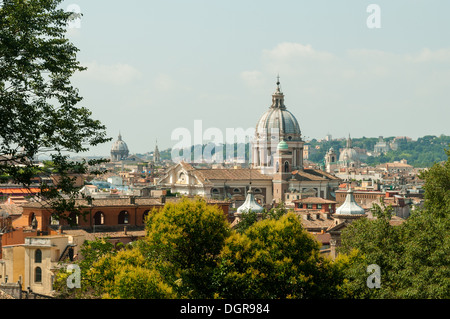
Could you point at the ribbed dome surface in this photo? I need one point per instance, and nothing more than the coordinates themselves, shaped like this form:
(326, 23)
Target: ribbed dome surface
(348, 155)
(280, 120)
(119, 145)
(350, 207)
(250, 204)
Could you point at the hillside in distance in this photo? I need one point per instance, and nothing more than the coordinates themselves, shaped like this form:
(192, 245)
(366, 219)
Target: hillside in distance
(423, 152)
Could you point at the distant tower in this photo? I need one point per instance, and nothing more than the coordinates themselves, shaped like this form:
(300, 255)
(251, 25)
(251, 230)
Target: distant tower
(282, 170)
(156, 155)
(119, 150)
(330, 159)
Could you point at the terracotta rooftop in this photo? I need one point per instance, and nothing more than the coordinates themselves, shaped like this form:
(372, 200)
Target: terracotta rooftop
(123, 201)
(314, 200)
(14, 191)
(312, 175)
(109, 234)
(232, 174)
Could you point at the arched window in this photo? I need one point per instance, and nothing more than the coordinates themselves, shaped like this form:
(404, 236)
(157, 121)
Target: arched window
(99, 218)
(257, 190)
(286, 167)
(38, 256)
(38, 274)
(214, 191)
(124, 217)
(73, 218)
(236, 190)
(30, 219)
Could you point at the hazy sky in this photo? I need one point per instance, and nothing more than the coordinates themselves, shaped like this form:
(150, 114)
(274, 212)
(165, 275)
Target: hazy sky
(155, 66)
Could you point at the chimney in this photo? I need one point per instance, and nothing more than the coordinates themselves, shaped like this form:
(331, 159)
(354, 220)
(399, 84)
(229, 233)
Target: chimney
(132, 200)
(163, 199)
(59, 230)
(124, 230)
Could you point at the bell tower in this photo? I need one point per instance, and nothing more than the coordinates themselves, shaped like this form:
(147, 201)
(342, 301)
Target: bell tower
(281, 171)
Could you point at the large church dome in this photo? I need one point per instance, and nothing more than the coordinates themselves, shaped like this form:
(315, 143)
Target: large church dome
(279, 120)
(277, 130)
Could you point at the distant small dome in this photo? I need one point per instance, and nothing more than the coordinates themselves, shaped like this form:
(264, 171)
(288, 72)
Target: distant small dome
(250, 204)
(349, 155)
(350, 207)
(283, 145)
(119, 149)
(119, 145)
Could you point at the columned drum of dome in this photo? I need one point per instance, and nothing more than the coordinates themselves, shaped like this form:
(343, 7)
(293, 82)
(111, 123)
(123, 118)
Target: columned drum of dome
(119, 150)
(277, 124)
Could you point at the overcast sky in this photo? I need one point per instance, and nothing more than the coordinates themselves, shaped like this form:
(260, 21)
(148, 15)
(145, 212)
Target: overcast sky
(155, 66)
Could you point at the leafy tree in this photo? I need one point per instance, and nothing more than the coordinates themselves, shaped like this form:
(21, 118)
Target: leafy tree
(414, 258)
(275, 259)
(91, 287)
(437, 188)
(39, 109)
(136, 282)
(372, 242)
(128, 275)
(251, 217)
(183, 241)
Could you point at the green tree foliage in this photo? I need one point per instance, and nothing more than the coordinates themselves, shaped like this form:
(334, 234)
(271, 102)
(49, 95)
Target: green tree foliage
(39, 109)
(191, 252)
(275, 259)
(92, 251)
(184, 240)
(437, 188)
(251, 217)
(414, 258)
(128, 275)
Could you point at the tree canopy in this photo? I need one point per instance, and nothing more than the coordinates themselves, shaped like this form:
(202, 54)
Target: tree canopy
(39, 107)
(414, 258)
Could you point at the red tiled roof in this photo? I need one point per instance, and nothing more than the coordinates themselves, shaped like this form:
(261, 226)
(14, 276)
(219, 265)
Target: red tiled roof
(14, 191)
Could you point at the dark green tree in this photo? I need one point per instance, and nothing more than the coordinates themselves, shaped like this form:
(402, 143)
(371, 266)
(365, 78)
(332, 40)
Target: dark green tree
(414, 258)
(39, 107)
(275, 258)
(183, 241)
